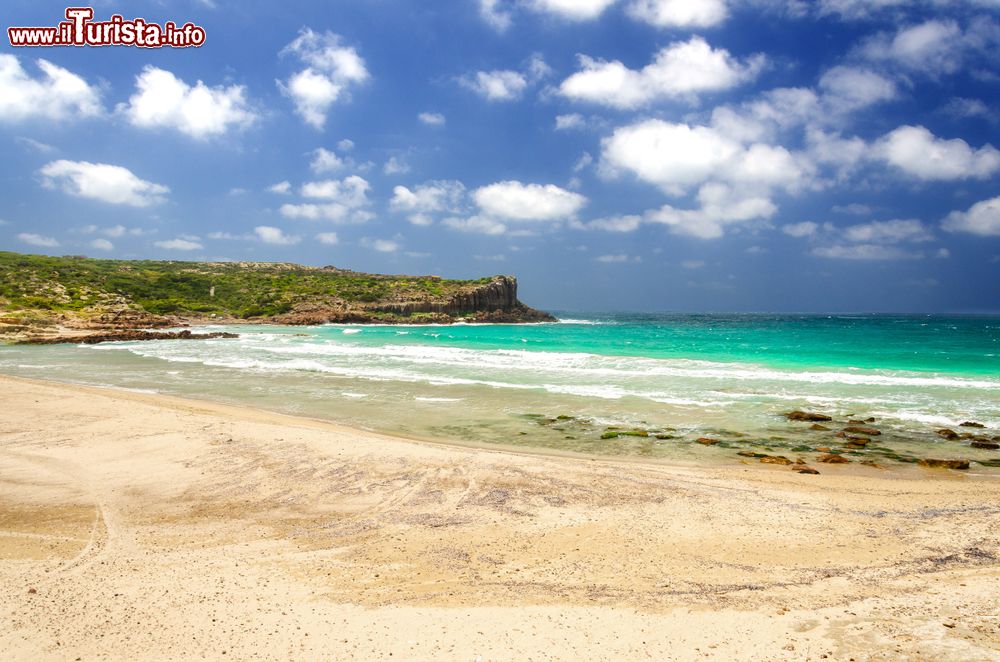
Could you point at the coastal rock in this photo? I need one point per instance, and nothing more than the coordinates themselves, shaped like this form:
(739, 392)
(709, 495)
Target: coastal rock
(986, 445)
(751, 454)
(823, 449)
(861, 429)
(808, 470)
(971, 424)
(818, 427)
(126, 335)
(707, 441)
(946, 433)
(775, 459)
(857, 443)
(944, 464)
(807, 416)
(831, 458)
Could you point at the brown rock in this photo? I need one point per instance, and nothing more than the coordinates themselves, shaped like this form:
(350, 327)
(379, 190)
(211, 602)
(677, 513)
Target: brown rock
(856, 443)
(751, 454)
(818, 427)
(808, 470)
(987, 445)
(707, 441)
(971, 424)
(775, 459)
(806, 416)
(823, 449)
(831, 458)
(32, 591)
(861, 429)
(945, 433)
(944, 464)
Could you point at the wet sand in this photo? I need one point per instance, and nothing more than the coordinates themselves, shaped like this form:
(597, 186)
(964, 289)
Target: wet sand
(135, 526)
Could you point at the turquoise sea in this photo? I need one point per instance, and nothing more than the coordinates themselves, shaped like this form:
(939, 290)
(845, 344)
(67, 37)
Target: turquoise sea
(566, 385)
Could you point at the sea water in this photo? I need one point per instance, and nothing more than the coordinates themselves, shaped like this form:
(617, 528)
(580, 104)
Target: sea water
(571, 385)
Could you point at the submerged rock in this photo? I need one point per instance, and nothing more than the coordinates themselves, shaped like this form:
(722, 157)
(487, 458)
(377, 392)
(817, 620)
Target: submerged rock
(806, 416)
(971, 424)
(808, 470)
(987, 445)
(707, 441)
(946, 433)
(861, 429)
(775, 459)
(944, 464)
(818, 427)
(831, 458)
(751, 454)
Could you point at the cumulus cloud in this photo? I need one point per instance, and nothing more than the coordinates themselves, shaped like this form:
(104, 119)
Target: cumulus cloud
(570, 121)
(866, 252)
(514, 201)
(179, 244)
(799, 230)
(328, 238)
(325, 160)
(275, 236)
(679, 13)
(433, 119)
(344, 201)
(506, 84)
(57, 94)
(719, 206)
(624, 223)
(982, 219)
(41, 241)
(875, 240)
(163, 100)
(493, 13)
(934, 46)
(102, 245)
(888, 232)
(380, 245)
(281, 188)
(848, 89)
(476, 224)
(574, 10)
(423, 201)
(100, 181)
(331, 70)
(918, 152)
(396, 165)
(680, 70)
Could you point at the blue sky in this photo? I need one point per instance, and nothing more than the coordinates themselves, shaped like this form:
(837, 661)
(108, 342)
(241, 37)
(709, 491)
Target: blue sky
(718, 155)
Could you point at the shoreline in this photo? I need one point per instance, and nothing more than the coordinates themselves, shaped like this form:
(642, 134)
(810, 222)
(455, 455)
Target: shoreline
(141, 526)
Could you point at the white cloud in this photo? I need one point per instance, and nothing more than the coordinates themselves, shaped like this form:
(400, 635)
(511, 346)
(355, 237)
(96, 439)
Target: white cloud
(101, 181)
(583, 162)
(324, 161)
(680, 70)
(918, 152)
(396, 166)
(676, 157)
(982, 219)
(345, 145)
(496, 85)
(345, 201)
(617, 258)
(102, 245)
(679, 13)
(179, 244)
(854, 208)
(328, 238)
(433, 119)
(934, 46)
(331, 69)
(719, 206)
(427, 199)
(281, 188)
(514, 201)
(380, 245)
(803, 229)
(492, 13)
(888, 232)
(37, 240)
(58, 95)
(478, 224)
(570, 121)
(848, 89)
(574, 10)
(31, 143)
(163, 100)
(865, 252)
(627, 223)
(275, 236)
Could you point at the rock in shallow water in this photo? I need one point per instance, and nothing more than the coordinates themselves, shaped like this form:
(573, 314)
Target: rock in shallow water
(945, 433)
(986, 445)
(944, 464)
(831, 458)
(861, 429)
(806, 416)
(971, 424)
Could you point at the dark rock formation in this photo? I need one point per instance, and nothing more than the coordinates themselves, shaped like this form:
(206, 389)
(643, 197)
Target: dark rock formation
(986, 445)
(807, 416)
(945, 433)
(944, 464)
(118, 336)
(830, 458)
(861, 429)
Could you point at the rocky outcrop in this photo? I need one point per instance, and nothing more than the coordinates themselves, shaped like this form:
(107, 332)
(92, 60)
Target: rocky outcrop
(118, 336)
(807, 416)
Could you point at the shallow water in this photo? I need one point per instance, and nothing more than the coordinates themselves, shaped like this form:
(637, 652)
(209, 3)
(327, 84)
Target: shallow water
(681, 377)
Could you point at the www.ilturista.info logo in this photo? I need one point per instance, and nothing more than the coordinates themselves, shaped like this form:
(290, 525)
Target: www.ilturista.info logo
(81, 30)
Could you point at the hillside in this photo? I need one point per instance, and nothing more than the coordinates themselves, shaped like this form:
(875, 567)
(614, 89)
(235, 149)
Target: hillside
(41, 292)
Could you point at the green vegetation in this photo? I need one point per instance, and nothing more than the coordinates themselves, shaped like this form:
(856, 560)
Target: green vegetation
(35, 283)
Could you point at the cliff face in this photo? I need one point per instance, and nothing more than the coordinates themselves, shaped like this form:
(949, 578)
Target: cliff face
(495, 301)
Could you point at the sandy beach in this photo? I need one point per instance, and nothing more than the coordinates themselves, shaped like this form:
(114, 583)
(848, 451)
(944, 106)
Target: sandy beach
(137, 526)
